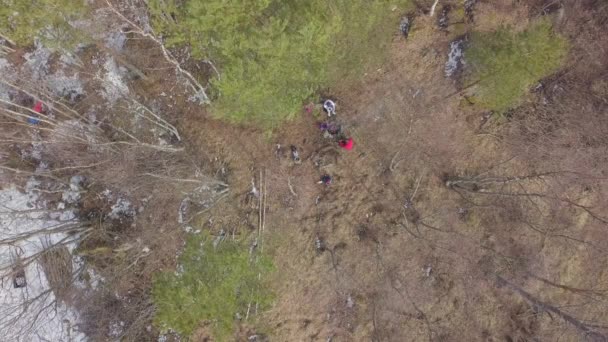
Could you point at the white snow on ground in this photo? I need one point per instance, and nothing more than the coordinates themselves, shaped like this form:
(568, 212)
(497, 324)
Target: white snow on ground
(199, 97)
(114, 87)
(116, 40)
(43, 319)
(37, 61)
(73, 194)
(94, 278)
(116, 329)
(455, 57)
(63, 86)
(35, 151)
(69, 59)
(122, 207)
(4, 63)
(8, 74)
(37, 64)
(5, 69)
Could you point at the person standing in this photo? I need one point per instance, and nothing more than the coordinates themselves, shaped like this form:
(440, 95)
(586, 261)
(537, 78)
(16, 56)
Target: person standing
(330, 107)
(38, 108)
(325, 179)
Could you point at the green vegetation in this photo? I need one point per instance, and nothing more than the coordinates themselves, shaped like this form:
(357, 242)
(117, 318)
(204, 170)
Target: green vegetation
(507, 64)
(21, 21)
(212, 287)
(275, 54)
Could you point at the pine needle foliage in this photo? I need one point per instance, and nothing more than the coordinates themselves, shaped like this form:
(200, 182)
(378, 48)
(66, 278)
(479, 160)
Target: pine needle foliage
(507, 64)
(275, 54)
(24, 20)
(211, 287)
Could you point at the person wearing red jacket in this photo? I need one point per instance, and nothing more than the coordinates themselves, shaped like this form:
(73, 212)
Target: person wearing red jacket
(38, 108)
(346, 144)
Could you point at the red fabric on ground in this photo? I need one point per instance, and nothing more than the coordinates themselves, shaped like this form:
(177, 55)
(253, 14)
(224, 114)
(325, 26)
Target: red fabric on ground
(38, 107)
(347, 144)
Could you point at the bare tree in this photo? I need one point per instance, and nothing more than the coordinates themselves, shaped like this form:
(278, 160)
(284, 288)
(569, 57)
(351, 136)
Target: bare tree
(60, 156)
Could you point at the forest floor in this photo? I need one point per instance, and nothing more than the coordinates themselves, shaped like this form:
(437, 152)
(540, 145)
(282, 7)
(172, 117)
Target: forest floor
(403, 255)
(444, 223)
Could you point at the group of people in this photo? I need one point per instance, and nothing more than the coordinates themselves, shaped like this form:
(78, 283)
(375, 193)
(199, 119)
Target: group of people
(333, 130)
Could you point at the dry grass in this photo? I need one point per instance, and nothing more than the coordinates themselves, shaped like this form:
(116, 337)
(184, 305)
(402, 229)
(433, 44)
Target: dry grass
(408, 115)
(425, 272)
(57, 265)
(111, 154)
(406, 112)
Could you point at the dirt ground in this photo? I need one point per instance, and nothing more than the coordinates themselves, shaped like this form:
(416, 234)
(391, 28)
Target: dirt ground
(501, 254)
(405, 257)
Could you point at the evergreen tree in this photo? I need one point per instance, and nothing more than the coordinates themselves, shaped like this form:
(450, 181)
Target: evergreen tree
(23, 20)
(213, 285)
(507, 64)
(275, 54)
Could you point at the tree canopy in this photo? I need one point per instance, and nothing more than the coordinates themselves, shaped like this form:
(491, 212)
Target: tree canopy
(213, 285)
(22, 21)
(507, 64)
(273, 55)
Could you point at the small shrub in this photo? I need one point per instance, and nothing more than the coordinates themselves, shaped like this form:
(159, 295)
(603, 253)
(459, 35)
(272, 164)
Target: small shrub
(273, 55)
(507, 64)
(212, 286)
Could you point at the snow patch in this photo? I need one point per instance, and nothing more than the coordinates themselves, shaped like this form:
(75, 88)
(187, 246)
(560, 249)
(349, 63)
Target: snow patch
(69, 59)
(183, 209)
(116, 329)
(116, 40)
(72, 195)
(42, 167)
(37, 61)
(4, 63)
(404, 26)
(5, 70)
(94, 278)
(68, 87)
(35, 151)
(107, 193)
(199, 97)
(63, 215)
(23, 217)
(121, 208)
(114, 86)
(455, 57)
